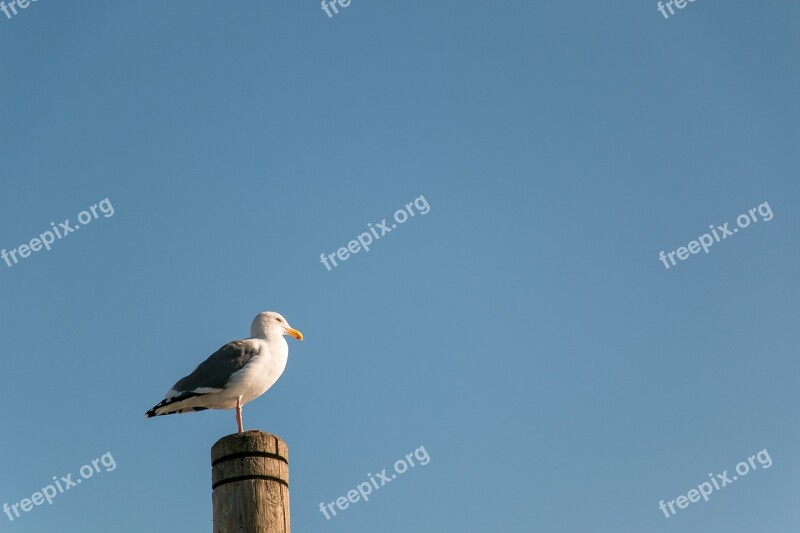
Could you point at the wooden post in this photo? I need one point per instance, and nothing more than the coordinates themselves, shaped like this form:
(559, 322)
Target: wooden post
(250, 484)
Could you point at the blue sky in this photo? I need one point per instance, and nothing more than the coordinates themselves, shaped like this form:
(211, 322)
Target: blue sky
(523, 331)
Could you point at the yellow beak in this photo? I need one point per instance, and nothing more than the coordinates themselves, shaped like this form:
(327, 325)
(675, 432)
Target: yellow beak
(294, 333)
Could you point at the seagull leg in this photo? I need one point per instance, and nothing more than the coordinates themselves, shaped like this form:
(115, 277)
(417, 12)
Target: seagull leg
(239, 414)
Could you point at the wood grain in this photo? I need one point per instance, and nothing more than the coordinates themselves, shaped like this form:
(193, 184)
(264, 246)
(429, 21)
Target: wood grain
(250, 482)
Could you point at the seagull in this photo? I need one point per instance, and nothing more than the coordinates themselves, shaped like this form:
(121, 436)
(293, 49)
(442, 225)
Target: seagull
(236, 374)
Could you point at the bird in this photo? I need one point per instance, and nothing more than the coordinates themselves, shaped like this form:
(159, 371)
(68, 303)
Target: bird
(239, 372)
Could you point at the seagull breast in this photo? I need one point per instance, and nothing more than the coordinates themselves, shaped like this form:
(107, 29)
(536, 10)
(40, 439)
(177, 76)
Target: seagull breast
(261, 371)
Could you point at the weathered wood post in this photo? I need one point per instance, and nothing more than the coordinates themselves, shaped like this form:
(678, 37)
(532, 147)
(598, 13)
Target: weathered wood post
(250, 483)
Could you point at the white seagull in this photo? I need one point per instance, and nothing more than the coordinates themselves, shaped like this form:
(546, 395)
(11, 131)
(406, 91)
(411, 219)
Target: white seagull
(236, 374)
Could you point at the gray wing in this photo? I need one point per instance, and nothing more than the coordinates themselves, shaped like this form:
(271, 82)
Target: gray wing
(210, 376)
(214, 372)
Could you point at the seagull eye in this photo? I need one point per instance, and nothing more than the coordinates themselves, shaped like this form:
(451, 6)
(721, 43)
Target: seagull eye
(279, 320)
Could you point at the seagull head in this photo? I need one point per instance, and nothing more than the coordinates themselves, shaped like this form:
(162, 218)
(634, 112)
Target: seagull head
(272, 324)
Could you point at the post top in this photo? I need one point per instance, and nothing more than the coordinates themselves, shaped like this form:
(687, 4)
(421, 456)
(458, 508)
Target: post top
(254, 441)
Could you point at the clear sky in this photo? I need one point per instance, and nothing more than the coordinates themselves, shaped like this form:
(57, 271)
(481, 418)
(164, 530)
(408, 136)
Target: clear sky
(523, 330)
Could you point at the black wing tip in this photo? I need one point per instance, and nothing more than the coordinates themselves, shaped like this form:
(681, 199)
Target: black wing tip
(163, 403)
(152, 412)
